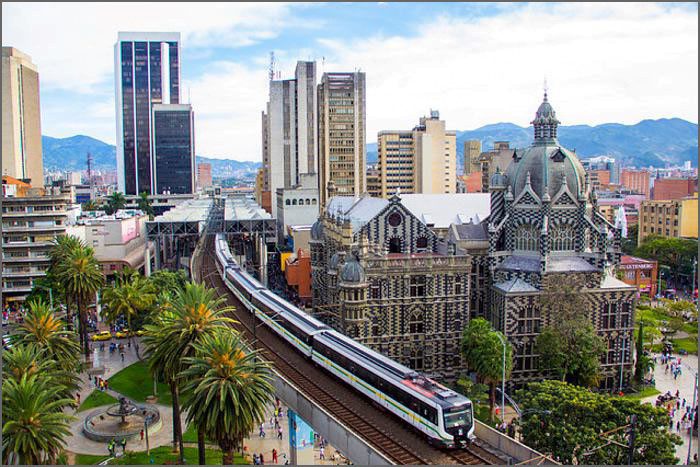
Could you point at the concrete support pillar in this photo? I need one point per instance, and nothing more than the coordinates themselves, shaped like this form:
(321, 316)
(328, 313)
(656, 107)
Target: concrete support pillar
(301, 440)
(263, 260)
(157, 252)
(147, 259)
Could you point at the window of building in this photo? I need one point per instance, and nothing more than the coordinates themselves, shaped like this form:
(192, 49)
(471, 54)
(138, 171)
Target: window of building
(395, 245)
(609, 316)
(294, 202)
(313, 201)
(563, 238)
(417, 286)
(629, 275)
(527, 238)
(421, 244)
(610, 355)
(374, 291)
(415, 323)
(416, 359)
(529, 320)
(458, 285)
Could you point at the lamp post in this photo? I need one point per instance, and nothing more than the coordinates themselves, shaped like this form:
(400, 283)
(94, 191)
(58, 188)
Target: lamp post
(145, 429)
(50, 292)
(503, 379)
(692, 422)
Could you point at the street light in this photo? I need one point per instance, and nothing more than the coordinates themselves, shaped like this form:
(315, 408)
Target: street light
(692, 412)
(503, 379)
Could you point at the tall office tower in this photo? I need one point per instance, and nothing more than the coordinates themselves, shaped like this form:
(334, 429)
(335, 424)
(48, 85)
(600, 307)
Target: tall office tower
(21, 119)
(472, 151)
(290, 142)
(147, 72)
(204, 175)
(173, 149)
(342, 134)
(422, 160)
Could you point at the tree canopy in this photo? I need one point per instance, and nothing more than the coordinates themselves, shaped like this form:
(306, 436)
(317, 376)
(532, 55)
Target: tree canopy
(566, 421)
(676, 253)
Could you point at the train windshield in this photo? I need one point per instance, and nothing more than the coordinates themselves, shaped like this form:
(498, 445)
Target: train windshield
(458, 416)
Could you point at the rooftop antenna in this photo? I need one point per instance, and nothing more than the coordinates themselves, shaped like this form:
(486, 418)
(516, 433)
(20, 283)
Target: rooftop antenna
(545, 88)
(323, 64)
(89, 174)
(272, 66)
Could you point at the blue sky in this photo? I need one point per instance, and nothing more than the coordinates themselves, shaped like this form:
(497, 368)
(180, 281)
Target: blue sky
(476, 63)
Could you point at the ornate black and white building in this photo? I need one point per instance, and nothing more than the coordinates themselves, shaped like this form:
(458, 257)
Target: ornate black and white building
(544, 224)
(394, 280)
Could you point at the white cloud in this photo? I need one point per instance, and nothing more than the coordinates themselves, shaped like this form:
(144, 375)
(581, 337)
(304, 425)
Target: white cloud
(603, 62)
(73, 43)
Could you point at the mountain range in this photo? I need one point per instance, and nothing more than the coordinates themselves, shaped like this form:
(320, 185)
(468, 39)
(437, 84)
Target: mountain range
(656, 143)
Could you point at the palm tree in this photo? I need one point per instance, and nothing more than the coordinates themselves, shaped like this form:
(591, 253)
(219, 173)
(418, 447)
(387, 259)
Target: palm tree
(90, 205)
(227, 390)
(42, 328)
(195, 312)
(146, 205)
(63, 246)
(82, 277)
(115, 202)
(34, 425)
(131, 295)
(30, 359)
(483, 351)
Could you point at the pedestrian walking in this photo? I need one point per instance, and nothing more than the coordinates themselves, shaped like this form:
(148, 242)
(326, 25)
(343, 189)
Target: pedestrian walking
(321, 454)
(110, 447)
(262, 431)
(678, 405)
(141, 435)
(279, 433)
(683, 404)
(122, 355)
(255, 459)
(274, 456)
(262, 459)
(106, 385)
(678, 426)
(123, 443)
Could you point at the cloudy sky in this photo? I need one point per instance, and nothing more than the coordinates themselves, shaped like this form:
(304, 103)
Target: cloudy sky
(476, 63)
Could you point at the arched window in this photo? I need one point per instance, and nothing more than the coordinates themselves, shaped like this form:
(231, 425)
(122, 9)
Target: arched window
(313, 201)
(562, 237)
(308, 202)
(288, 202)
(415, 324)
(294, 202)
(416, 359)
(395, 245)
(527, 238)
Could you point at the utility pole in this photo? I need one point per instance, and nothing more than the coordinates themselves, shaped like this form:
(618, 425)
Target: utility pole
(632, 433)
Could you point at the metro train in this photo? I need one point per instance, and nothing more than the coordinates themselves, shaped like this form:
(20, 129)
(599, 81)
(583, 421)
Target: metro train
(446, 417)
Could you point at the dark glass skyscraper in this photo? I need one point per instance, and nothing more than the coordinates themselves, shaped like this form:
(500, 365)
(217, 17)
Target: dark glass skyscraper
(147, 72)
(173, 148)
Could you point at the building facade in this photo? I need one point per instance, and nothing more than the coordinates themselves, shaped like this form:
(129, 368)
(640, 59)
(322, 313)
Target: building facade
(204, 175)
(674, 188)
(342, 133)
(636, 180)
(381, 276)
(290, 131)
(640, 273)
(472, 151)
(297, 205)
(497, 159)
(21, 118)
(173, 149)
(31, 219)
(147, 72)
(544, 234)
(422, 160)
(669, 218)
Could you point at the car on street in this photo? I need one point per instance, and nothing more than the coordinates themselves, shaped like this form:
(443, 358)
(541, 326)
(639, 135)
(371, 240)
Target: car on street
(123, 334)
(102, 336)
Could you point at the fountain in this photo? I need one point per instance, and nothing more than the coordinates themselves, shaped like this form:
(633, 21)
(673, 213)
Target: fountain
(124, 420)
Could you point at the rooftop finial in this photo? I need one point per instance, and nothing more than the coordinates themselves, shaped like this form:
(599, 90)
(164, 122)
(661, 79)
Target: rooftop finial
(545, 89)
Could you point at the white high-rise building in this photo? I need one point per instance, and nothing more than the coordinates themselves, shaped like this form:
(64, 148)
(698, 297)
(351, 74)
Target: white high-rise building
(147, 72)
(290, 131)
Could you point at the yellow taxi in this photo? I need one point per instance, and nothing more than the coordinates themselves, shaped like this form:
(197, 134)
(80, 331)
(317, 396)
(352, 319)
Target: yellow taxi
(140, 332)
(123, 334)
(102, 336)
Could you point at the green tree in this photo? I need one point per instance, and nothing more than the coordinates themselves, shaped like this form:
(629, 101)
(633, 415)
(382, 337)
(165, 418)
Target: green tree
(680, 308)
(227, 390)
(629, 244)
(483, 351)
(90, 205)
(677, 253)
(42, 328)
(643, 363)
(146, 205)
(34, 424)
(569, 348)
(62, 247)
(566, 421)
(168, 281)
(132, 295)
(82, 277)
(195, 312)
(115, 202)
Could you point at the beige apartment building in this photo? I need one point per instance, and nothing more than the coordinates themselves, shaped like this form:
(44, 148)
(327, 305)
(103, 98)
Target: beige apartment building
(422, 160)
(472, 151)
(342, 135)
(676, 218)
(21, 119)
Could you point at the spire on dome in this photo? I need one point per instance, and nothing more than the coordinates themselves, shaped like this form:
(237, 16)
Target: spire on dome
(545, 121)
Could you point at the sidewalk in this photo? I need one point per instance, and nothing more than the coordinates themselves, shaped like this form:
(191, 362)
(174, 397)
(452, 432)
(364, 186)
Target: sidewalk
(684, 384)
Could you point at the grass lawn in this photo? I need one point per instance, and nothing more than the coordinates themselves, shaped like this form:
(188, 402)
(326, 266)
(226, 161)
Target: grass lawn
(190, 436)
(646, 392)
(164, 454)
(88, 459)
(690, 328)
(135, 382)
(651, 316)
(96, 399)
(689, 344)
